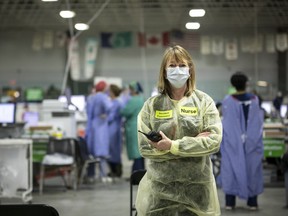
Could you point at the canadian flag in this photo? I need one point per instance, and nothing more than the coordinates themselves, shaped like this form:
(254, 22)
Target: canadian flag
(281, 42)
(156, 40)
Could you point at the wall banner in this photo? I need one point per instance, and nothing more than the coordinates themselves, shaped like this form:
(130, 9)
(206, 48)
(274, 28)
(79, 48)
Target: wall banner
(91, 48)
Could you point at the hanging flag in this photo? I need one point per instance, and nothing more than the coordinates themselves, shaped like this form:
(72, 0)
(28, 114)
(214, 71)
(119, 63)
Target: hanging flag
(187, 40)
(260, 43)
(74, 60)
(192, 41)
(153, 40)
(61, 38)
(270, 43)
(141, 39)
(37, 41)
(281, 42)
(205, 45)
(48, 40)
(231, 49)
(217, 45)
(246, 44)
(253, 44)
(256, 43)
(116, 40)
(90, 58)
(177, 37)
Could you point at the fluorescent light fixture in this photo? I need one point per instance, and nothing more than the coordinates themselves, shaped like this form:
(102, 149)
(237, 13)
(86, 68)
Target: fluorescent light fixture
(262, 83)
(197, 12)
(192, 25)
(81, 26)
(67, 14)
(49, 0)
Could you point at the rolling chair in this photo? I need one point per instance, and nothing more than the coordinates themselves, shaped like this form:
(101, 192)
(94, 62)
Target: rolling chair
(86, 159)
(62, 156)
(135, 179)
(216, 163)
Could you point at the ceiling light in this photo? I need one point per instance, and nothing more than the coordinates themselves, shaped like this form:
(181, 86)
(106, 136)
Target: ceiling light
(49, 0)
(192, 25)
(81, 26)
(262, 83)
(197, 12)
(67, 14)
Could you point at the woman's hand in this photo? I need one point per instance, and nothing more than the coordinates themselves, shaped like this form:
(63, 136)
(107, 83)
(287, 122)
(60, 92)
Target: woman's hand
(203, 134)
(164, 144)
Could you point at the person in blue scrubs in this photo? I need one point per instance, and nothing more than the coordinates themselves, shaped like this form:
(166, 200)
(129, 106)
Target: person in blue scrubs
(98, 108)
(115, 134)
(242, 145)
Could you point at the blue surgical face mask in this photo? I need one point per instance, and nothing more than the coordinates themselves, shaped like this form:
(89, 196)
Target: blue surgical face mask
(177, 76)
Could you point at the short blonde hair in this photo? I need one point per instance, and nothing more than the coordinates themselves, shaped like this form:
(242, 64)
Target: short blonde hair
(179, 54)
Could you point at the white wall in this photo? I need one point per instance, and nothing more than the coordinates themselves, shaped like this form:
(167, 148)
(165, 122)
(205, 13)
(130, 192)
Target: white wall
(41, 68)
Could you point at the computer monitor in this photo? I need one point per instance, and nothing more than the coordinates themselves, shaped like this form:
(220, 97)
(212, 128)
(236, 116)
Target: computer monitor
(78, 101)
(7, 113)
(34, 94)
(283, 110)
(31, 118)
(267, 106)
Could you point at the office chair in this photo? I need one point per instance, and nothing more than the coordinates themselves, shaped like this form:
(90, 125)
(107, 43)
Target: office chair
(27, 210)
(135, 179)
(62, 156)
(86, 159)
(216, 163)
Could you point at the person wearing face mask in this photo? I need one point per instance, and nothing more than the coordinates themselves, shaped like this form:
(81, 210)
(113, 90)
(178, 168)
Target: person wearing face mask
(179, 178)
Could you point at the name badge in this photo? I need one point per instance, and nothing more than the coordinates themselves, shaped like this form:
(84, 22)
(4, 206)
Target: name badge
(163, 114)
(191, 111)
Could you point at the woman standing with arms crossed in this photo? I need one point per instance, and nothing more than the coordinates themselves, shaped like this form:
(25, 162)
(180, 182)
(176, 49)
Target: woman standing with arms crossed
(179, 179)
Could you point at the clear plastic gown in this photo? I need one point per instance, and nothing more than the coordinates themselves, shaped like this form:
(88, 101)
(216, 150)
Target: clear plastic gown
(179, 181)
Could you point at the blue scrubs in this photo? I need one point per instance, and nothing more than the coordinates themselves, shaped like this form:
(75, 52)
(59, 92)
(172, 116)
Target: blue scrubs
(115, 122)
(242, 147)
(98, 107)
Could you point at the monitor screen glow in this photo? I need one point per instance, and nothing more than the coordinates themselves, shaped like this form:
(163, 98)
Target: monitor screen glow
(283, 110)
(78, 100)
(267, 105)
(7, 113)
(31, 118)
(34, 95)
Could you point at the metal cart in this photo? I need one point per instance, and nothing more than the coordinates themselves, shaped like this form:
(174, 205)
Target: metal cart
(16, 169)
(274, 140)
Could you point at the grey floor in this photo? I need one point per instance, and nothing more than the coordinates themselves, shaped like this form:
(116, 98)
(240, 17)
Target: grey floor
(112, 199)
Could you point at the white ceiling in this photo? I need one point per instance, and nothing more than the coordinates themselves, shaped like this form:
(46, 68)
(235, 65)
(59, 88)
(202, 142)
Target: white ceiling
(146, 15)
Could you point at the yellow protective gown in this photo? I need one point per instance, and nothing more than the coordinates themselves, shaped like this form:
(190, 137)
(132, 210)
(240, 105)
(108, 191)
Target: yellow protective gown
(179, 181)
